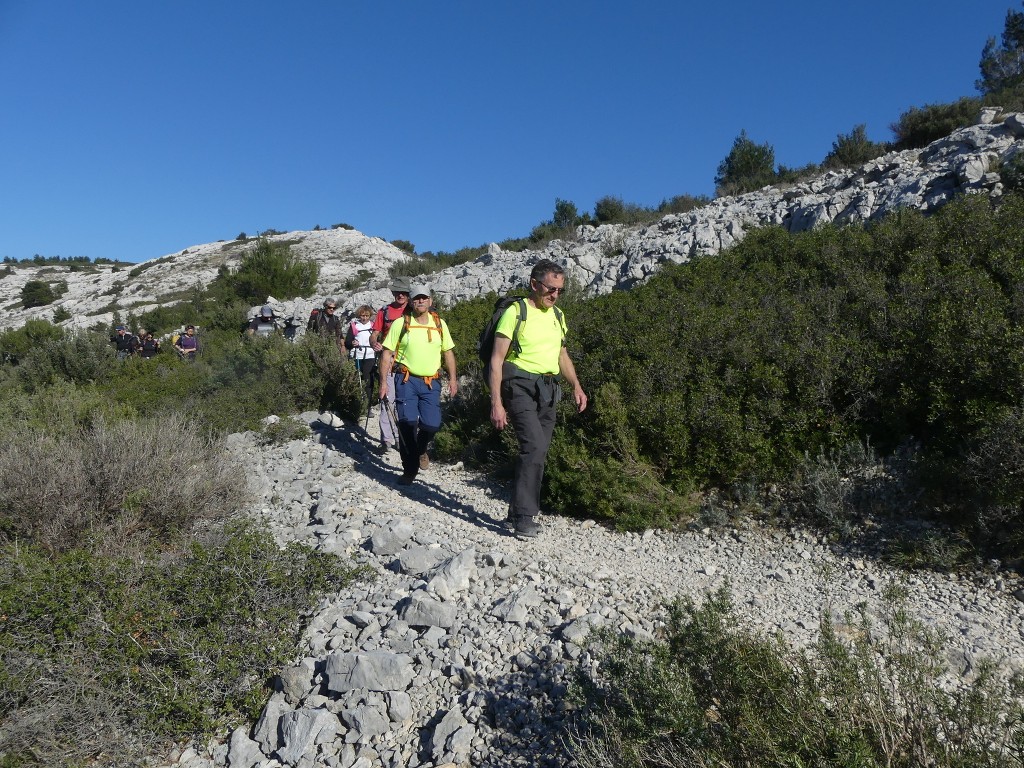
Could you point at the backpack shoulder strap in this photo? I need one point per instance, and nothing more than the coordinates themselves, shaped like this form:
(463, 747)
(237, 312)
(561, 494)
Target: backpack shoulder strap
(520, 319)
(561, 322)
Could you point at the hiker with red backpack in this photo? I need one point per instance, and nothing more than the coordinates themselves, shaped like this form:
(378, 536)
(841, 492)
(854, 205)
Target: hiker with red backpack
(387, 315)
(413, 351)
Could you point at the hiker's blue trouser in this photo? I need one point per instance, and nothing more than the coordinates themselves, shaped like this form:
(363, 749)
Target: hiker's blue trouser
(530, 404)
(419, 417)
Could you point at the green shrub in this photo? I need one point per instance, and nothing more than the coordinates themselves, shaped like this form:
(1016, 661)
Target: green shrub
(682, 204)
(283, 431)
(427, 263)
(79, 357)
(920, 126)
(404, 245)
(15, 343)
(36, 293)
(120, 657)
(853, 149)
(268, 269)
(747, 167)
(60, 314)
(714, 694)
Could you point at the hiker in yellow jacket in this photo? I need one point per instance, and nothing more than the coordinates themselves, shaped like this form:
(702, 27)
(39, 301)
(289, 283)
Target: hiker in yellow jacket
(413, 350)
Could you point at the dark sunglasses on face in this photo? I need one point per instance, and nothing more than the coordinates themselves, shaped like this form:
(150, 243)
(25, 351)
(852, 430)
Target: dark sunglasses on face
(330, 308)
(548, 290)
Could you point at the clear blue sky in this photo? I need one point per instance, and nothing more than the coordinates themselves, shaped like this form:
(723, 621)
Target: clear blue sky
(131, 129)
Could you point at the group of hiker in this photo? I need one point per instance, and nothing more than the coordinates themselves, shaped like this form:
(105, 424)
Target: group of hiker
(145, 345)
(400, 351)
(409, 344)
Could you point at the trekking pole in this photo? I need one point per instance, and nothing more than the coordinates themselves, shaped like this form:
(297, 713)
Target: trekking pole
(393, 418)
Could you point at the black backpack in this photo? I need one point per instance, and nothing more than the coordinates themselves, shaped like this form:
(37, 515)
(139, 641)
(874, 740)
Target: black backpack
(485, 346)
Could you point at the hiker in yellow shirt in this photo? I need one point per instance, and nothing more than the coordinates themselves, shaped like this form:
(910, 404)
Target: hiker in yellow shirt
(413, 350)
(525, 387)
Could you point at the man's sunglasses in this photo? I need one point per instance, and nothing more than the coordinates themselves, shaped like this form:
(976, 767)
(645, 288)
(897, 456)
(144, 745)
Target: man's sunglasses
(548, 290)
(329, 307)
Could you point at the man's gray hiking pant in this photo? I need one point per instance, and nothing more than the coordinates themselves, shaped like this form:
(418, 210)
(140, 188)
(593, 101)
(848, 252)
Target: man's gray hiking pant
(530, 404)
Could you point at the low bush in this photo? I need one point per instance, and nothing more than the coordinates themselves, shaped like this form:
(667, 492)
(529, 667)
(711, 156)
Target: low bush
(868, 694)
(36, 293)
(109, 660)
(15, 343)
(267, 269)
(114, 484)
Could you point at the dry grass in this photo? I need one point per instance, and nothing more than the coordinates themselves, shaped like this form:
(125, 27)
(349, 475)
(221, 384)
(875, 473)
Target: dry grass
(114, 485)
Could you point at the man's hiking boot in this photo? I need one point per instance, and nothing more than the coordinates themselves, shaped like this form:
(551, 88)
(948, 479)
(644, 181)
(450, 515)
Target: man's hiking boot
(407, 478)
(424, 461)
(523, 527)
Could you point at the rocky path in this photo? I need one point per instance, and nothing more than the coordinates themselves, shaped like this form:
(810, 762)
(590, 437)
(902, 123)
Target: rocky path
(459, 651)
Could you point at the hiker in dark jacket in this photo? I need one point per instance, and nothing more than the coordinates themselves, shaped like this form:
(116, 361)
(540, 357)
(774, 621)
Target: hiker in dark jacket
(327, 322)
(124, 342)
(150, 346)
(525, 387)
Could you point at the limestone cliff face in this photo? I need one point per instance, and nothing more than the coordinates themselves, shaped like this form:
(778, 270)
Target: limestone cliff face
(601, 259)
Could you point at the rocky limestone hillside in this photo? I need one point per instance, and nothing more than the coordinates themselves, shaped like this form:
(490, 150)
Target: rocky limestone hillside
(94, 293)
(600, 259)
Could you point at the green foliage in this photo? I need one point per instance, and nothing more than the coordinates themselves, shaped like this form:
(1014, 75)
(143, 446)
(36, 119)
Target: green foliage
(267, 269)
(342, 226)
(428, 262)
(358, 279)
(761, 365)
(15, 343)
(747, 167)
(613, 210)
(76, 357)
(36, 293)
(404, 245)
(158, 649)
(920, 126)
(1011, 172)
(283, 431)
(1002, 64)
(714, 694)
(682, 204)
(60, 314)
(853, 149)
(566, 216)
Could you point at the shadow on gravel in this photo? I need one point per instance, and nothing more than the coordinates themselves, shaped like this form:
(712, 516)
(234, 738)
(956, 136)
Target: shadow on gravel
(529, 714)
(353, 441)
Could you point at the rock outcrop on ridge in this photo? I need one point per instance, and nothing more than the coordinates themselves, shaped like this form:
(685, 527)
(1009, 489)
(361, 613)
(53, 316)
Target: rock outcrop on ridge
(601, 259)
